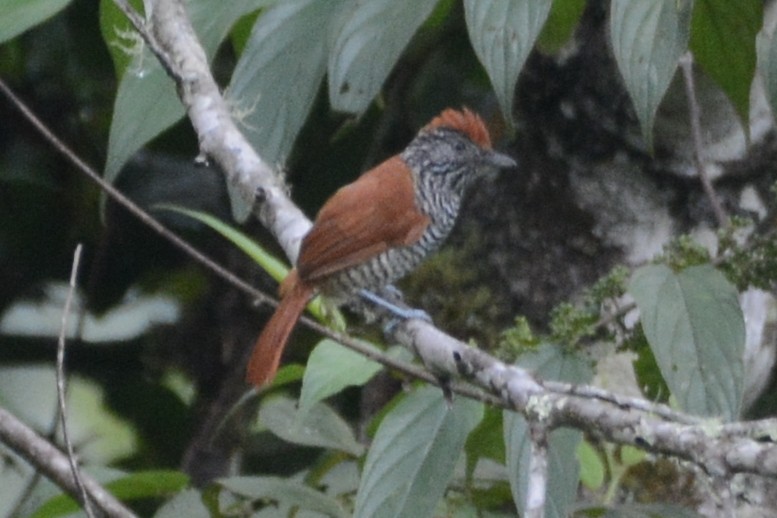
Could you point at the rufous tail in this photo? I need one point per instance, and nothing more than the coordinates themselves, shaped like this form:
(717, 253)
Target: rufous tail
(269, 347)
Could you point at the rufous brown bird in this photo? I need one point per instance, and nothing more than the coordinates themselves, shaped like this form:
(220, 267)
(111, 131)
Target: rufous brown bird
(377, 229)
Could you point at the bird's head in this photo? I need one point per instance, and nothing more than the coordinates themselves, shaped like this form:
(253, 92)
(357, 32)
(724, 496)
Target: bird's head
(454, 150)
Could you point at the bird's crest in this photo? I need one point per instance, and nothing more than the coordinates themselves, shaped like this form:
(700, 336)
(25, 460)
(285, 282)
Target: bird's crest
(465, 121)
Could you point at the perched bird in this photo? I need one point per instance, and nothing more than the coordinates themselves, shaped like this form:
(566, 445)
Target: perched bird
(377, 229)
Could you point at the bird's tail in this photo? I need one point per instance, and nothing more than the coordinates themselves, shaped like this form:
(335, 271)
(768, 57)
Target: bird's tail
(269, 347)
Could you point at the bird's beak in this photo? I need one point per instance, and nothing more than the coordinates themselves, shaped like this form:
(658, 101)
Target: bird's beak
(499, 160)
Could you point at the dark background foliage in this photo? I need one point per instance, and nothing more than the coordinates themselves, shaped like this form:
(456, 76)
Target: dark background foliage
(532, 239)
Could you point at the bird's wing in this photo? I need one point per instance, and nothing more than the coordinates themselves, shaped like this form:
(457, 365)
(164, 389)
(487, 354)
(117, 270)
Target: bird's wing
(376, 212)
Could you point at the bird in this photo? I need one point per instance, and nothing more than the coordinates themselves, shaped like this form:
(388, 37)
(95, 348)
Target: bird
(374, 231)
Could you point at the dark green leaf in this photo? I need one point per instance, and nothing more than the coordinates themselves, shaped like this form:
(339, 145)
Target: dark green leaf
(562, 21)
(694, 325)
(368, 46)
(413, 454)
(318, 426)
(723, 43)
(647, 39)
(19, 15)
(285, 491)
(503, 33)
(143, 484)
(485, 441)
(118, 33)
(280, 70)
(269, 263)
(549, 362)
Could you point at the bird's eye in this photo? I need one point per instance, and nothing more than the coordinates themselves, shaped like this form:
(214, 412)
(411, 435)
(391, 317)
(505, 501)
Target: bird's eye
(459, 146)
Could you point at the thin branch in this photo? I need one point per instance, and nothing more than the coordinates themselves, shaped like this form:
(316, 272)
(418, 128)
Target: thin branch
(694, 115)
(76, 472)
(143, 216)
(55, 465)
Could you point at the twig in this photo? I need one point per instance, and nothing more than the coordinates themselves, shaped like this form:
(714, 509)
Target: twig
(55, 465)
(694, 115)
(84, 497)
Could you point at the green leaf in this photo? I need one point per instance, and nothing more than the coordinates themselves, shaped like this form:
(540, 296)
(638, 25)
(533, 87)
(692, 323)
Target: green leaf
(20, 15)
(694, 324)
(269, 263)
(146, 103)
(278, 75)
(285, 491)
(113, 24)
(648, 38)
(503, 33)
(368, 46)
(413, 454)
(319, 426)
(562, 21)
(723, 44)
(145, 484)
(331, 368)
(186, 503)
(486, 440)
(591, 466)
(137, 486)
(280, 71)
(548, 362)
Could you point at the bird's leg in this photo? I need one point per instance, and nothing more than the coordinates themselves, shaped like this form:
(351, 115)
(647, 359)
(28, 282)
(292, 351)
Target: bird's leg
(404, 313)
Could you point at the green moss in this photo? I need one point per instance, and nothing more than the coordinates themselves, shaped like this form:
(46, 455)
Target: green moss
(516, 340)
(682, 252)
